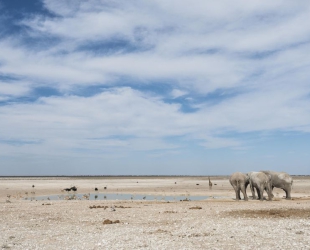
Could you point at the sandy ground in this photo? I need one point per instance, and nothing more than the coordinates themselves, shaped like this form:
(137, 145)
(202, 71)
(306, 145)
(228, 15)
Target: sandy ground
(214, 223)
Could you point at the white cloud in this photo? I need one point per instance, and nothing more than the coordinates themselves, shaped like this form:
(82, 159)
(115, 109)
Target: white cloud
(178, 93)
(258, 50)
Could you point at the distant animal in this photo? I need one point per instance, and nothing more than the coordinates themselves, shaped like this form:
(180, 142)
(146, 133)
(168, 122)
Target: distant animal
(260, 181)
(210, 183)
(281, 180)
(67, 189)
(240, 181)
(74, 188)
(105, 187)
(96, 189)
(33, 186)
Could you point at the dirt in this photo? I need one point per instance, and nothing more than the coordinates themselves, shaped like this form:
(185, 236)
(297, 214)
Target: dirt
(221, 223)
(290, 213)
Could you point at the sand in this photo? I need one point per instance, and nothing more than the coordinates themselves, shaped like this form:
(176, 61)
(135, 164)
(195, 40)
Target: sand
(214, 223)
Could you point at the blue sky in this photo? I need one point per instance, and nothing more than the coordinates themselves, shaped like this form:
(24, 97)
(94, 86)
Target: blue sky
(154, 87)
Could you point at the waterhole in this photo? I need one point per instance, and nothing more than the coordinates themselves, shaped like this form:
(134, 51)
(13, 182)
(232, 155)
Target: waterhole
(111, 196)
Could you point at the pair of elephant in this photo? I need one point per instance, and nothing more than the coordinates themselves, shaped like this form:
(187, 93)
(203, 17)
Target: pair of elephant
(263, 180)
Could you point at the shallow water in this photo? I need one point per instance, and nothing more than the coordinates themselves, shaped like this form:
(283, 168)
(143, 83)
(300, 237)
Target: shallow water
(109, 196)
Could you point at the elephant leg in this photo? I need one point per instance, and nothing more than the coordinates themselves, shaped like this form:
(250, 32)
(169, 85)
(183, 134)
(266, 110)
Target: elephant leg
(253, 192)
(243, 190)
(288, 193)
(236, 191)
(239, 197)
(269, 192)
(258, 193)
(272, 191)
(270, 195)
(261, 193)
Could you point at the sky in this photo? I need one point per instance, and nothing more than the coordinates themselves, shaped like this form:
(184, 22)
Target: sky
(109, 87)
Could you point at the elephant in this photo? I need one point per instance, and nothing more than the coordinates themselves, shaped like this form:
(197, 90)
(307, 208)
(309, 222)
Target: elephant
(260, 181)
(281, 180)
(239, 181)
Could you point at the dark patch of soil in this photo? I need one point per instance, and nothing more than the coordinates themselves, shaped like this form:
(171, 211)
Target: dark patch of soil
(271, 213)
(197, 207)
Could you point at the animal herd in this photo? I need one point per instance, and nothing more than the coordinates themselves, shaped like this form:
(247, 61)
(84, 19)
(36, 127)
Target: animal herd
(261, 181)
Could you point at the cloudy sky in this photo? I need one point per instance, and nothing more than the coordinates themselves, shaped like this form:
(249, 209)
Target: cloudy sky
(154, 87)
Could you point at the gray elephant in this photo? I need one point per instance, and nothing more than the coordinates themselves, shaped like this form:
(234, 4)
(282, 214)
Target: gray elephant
(281, 180)
(239, 181)
(260, 181)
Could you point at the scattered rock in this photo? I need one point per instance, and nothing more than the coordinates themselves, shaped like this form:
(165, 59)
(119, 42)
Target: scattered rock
(197, 184)
(121, 207)
(185, 199)
(159, 231)
(98, 206)
(197, 207)
(107, 221)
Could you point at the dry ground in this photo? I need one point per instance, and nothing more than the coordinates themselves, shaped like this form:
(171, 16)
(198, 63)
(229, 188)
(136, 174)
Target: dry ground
(210, 224)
